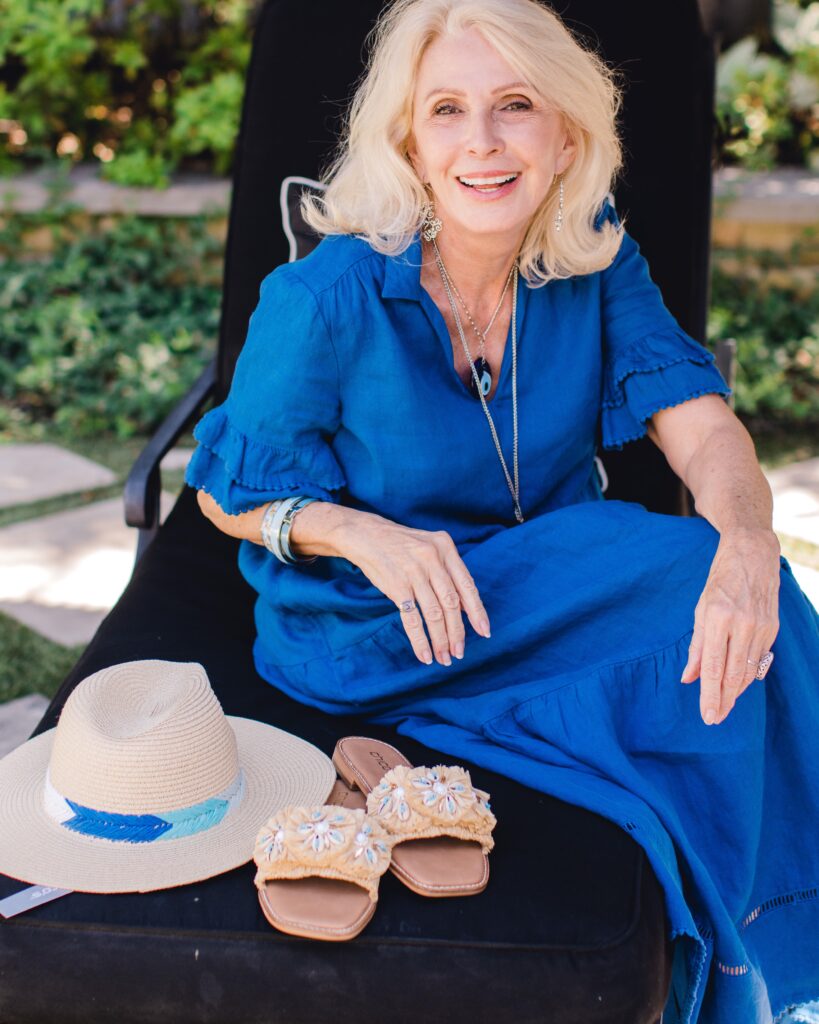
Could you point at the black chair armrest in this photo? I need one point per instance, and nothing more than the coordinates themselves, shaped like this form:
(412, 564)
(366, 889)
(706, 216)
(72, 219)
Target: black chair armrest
(144, 483)
(726, 360)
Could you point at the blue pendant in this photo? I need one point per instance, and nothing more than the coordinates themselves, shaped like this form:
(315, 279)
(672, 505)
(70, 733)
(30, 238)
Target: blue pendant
(484, 376)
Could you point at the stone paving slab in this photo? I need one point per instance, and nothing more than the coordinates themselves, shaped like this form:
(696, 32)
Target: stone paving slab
(60, 574)
(786, 194)
(796, 499)
(18, 719)
(189, 195)
(177, 458)
(31, 472)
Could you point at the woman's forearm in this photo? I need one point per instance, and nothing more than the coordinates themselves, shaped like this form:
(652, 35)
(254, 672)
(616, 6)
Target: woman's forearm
(729, 488)
(317, 529)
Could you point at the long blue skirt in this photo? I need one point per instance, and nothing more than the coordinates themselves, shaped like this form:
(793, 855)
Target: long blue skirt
(577, 694)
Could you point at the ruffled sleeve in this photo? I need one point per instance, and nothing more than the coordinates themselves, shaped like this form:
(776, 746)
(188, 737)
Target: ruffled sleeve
(272, 435)
(650, 362)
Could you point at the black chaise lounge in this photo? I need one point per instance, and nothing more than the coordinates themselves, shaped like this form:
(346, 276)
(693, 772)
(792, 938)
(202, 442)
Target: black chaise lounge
(572, 928)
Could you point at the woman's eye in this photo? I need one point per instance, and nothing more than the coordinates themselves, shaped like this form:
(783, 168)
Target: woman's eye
(519, 105)
(445, 108)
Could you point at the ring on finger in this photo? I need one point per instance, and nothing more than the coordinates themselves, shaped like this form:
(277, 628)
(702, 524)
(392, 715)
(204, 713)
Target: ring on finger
(762, 665)
(407, 606)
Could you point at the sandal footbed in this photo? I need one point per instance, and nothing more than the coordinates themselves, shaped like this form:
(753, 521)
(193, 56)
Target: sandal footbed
(316, 908)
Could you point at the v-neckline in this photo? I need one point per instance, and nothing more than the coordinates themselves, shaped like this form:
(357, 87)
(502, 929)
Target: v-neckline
(438, 323)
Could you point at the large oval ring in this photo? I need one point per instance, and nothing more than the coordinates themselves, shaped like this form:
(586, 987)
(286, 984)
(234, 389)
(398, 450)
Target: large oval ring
(407, 606)
(764, 664)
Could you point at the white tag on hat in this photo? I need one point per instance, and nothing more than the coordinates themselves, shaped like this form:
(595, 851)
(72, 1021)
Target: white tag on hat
(27, 899)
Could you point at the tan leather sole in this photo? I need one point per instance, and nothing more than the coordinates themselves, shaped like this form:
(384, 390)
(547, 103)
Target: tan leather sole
(320, 908)
(442, 866)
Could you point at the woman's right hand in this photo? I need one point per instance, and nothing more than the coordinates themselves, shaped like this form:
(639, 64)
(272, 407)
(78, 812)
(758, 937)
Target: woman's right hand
(422, 567)
(419, 566)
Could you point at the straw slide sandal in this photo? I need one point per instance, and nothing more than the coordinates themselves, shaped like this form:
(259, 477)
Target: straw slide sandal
(441, 826)
(318, 868)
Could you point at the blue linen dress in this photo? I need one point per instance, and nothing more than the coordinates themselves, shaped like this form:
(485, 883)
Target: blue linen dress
(346, 390)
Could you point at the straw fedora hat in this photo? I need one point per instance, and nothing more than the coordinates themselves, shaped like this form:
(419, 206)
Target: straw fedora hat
(146, 784)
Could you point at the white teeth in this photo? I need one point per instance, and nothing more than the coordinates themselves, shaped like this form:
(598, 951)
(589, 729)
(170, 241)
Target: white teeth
(488, 181)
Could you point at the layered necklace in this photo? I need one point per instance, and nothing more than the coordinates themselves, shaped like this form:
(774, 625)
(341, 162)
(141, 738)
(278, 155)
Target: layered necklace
(481, 365)
(481, 382)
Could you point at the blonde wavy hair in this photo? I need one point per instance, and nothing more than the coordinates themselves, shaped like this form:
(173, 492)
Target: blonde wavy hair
(372, 190)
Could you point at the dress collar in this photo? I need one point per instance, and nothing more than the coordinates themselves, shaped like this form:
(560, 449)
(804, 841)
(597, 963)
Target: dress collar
(402, 273)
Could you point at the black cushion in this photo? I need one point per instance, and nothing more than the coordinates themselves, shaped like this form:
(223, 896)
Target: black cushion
(572, 919)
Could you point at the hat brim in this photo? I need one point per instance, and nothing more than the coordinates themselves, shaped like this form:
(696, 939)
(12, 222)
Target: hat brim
(279, 769)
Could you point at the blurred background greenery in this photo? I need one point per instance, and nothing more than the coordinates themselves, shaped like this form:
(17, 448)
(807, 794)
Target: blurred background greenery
(768, 92)
(143, 88)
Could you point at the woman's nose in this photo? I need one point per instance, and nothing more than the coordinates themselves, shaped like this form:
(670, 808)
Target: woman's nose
(484, 137)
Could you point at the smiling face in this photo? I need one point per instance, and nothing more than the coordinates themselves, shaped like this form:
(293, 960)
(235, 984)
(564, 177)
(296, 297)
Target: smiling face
(483, 139)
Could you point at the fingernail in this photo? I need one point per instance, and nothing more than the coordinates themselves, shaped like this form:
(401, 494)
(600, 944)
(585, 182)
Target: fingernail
(710, 716)
(459, 650)
(682, 677)
(485, 628)
(427, 659)
(446, 658)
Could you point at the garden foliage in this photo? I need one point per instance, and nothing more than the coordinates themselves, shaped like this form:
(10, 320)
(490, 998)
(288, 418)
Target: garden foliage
(768, 102)
(106, 333)
(776, 327)
(141, 87)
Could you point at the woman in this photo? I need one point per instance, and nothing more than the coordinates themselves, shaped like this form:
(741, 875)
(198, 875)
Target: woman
(437, 375)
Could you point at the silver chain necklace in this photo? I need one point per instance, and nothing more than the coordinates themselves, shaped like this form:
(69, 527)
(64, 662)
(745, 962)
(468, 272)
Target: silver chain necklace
(514, 490)
(481, 364)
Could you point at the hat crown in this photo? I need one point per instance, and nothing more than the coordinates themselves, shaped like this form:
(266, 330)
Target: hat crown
(142, 738)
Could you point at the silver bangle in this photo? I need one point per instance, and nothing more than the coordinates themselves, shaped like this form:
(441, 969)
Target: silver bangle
(285, 527)
(267, 520)
(276, 525)
(271, 526)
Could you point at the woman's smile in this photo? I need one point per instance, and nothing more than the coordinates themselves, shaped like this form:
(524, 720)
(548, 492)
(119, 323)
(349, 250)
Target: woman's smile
(489, 186)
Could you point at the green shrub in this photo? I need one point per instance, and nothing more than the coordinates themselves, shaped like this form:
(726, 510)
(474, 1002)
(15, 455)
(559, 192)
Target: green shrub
(142, 87)
(768, 103)
(106, 333)
(776, 328)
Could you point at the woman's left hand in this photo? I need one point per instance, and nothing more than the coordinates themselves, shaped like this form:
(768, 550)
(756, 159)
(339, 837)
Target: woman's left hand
(736, 619)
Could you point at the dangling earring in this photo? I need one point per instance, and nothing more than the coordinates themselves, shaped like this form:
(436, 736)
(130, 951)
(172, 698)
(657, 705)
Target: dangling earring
(430, 224)
(559, 217)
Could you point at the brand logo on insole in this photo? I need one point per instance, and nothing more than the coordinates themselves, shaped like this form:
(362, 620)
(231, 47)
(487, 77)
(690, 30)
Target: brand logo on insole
(380, 760)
